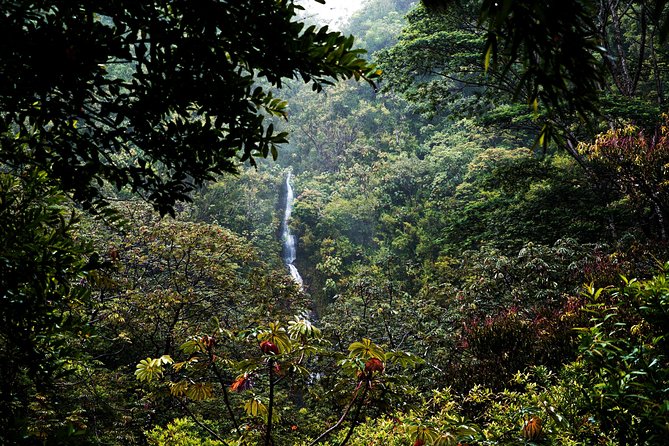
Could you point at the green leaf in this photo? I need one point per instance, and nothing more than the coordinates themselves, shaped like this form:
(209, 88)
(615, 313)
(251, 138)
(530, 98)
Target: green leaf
(150, 369)
(366, 349)
(404, 359)
(199, 391)
(179, 388)
(487, 57)
(278, 336)
(255, 408)
(302, 327)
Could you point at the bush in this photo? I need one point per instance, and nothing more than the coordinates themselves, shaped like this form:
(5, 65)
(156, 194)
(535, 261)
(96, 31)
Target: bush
(181, 432)
(627, 358)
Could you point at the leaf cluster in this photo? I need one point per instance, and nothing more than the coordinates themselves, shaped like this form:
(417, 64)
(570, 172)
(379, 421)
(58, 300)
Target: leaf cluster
(189, 100)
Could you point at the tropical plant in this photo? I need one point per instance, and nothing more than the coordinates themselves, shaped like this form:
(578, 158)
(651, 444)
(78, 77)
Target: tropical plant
(153, 96)
(281, 356)
(43, 270)
(626, 354)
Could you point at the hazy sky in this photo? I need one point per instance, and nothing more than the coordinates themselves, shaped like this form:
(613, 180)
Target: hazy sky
(333, 12)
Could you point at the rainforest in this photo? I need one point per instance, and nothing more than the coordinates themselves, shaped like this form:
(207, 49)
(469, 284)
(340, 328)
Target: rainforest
(244, 222)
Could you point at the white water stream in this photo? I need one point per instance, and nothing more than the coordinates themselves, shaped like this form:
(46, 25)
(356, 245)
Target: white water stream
(288, 238)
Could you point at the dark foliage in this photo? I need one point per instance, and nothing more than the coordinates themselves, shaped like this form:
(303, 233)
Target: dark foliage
(151, 95)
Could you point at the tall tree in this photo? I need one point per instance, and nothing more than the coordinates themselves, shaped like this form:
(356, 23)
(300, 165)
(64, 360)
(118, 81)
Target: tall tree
(634, 162)
(42, 269)
(567, 62)
(153, 95)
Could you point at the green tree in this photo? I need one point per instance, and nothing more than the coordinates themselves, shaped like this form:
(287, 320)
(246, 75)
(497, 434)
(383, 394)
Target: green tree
(42, 269)
(562, 63)
(626, 355)
(162, 281)
(166, 276)
(278, 355)
(436, 62)
(150, 95)
(634, 162)
(554, 47)
(377, 24)
(510, 197)
(247, 205)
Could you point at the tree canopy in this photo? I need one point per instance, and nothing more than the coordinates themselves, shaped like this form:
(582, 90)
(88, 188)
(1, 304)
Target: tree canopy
(444, 257)
(572, 58)
(151, 95)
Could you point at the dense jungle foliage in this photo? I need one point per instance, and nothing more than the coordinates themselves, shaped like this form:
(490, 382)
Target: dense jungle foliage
(481, 213)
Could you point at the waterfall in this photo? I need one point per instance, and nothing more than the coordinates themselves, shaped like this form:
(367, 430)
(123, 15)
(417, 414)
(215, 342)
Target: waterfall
(288, 238)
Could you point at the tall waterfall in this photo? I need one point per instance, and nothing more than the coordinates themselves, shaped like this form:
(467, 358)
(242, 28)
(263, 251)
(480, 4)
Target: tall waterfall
(288, 238)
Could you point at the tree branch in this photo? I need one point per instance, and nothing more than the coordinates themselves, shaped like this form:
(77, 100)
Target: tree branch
(270, 405)
(226, 397)
(192, 416)
(354, 421)
(340, 421)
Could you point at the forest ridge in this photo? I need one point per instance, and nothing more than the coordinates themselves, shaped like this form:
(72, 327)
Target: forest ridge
(480, 215)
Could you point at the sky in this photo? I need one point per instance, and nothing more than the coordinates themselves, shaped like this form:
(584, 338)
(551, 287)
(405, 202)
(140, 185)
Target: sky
(333, 12)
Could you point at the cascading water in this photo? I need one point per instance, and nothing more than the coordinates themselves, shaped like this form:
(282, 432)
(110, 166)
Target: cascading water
(287, 237)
